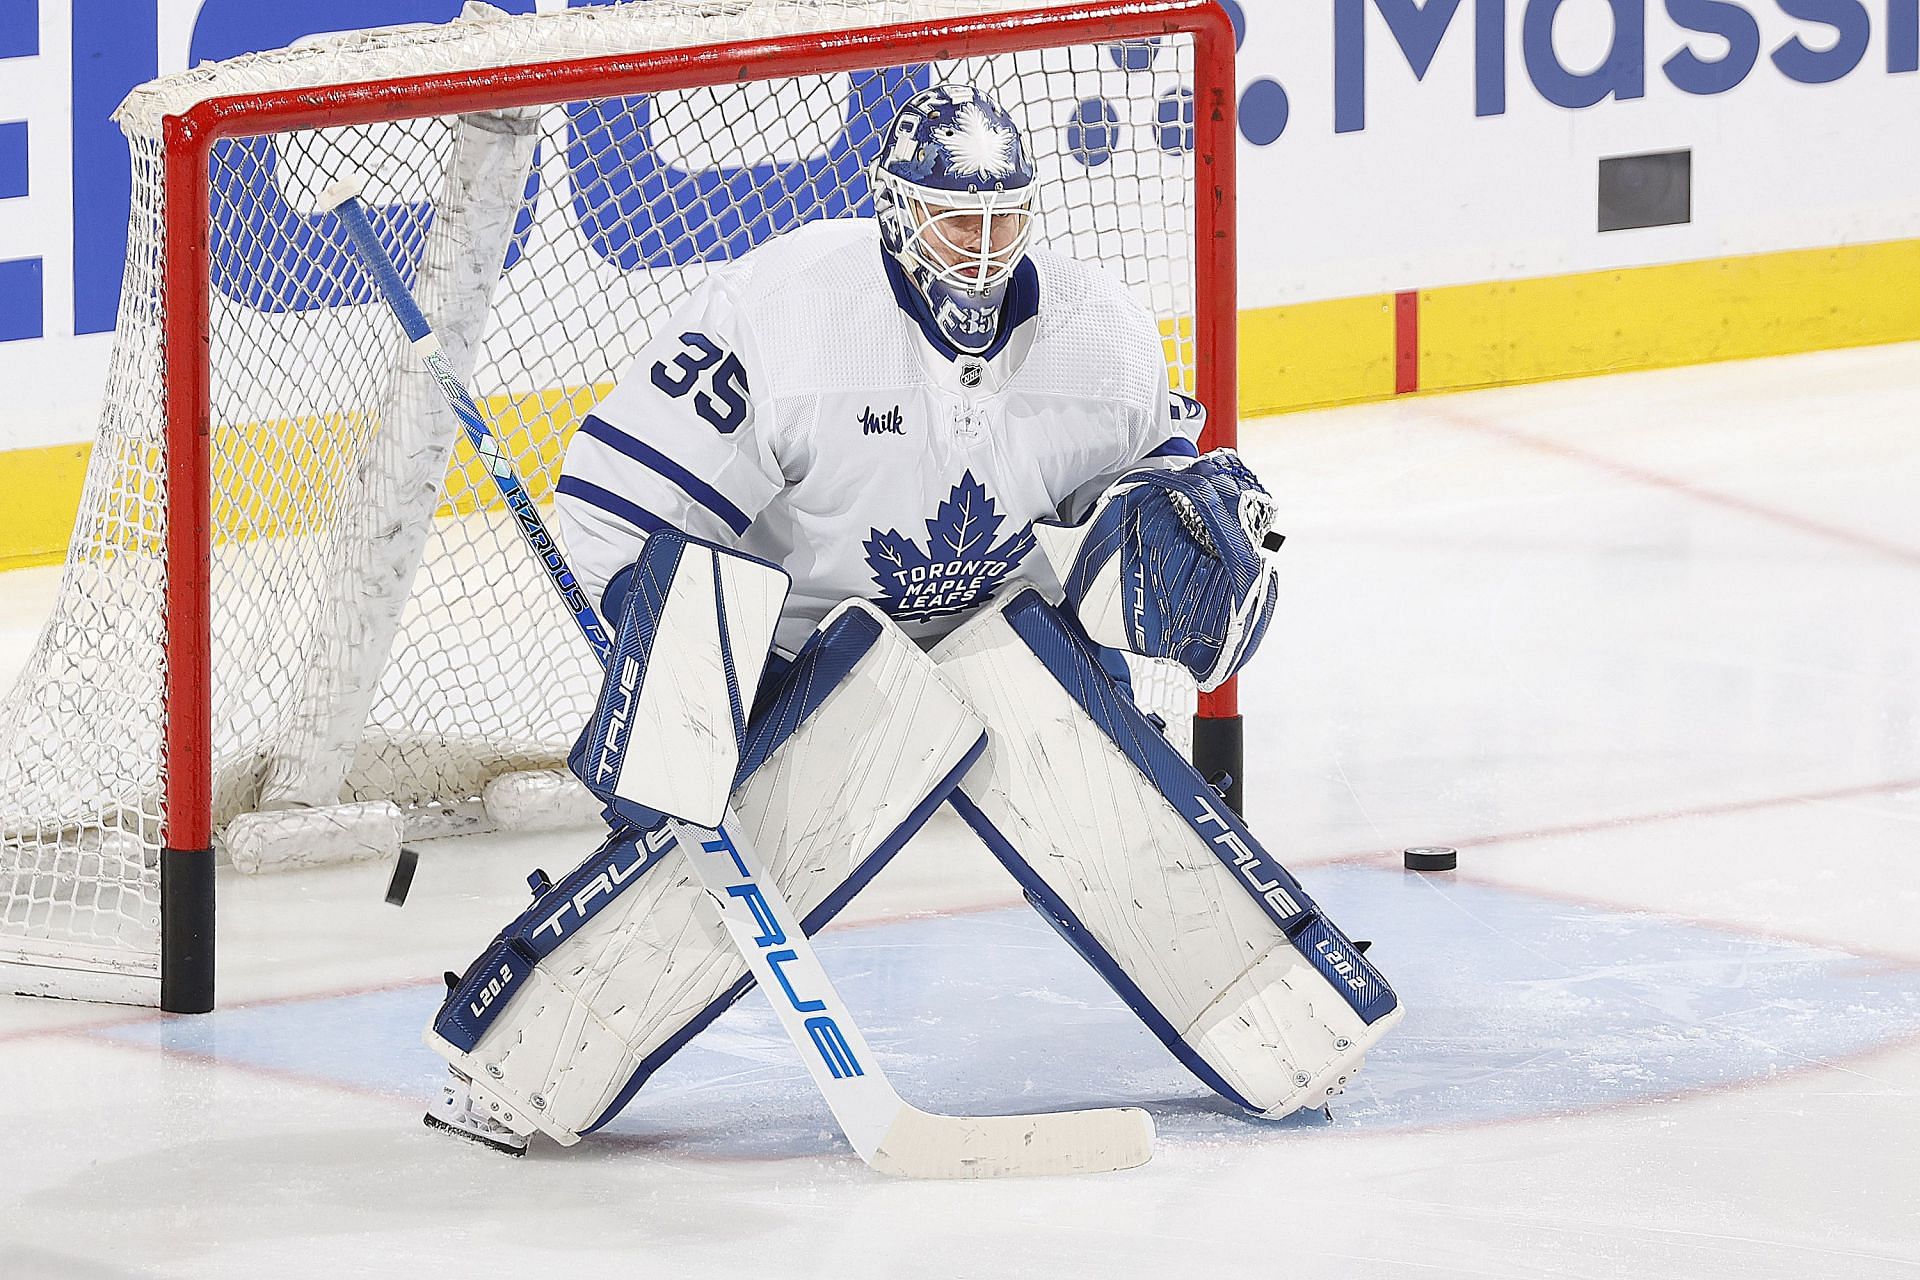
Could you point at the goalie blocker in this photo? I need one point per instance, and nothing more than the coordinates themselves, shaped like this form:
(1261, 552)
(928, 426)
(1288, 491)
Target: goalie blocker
(1147, 872)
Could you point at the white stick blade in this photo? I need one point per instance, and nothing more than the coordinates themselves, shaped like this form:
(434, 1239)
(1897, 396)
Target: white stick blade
(922, 1145)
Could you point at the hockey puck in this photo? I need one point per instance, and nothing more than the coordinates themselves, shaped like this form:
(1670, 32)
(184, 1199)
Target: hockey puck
(402, 877)
(1430, 858)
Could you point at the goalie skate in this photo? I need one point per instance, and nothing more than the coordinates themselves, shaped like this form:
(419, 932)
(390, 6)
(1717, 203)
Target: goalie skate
(480, 1119)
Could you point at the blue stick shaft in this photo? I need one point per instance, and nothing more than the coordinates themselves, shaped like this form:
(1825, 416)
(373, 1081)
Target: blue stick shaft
(533, 529)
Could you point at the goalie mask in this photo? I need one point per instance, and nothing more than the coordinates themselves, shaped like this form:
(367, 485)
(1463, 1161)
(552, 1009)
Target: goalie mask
(953, 191)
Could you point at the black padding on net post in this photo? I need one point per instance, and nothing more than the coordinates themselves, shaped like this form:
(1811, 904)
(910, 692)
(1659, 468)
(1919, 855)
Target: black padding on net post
(186, 930)
(1219, 748)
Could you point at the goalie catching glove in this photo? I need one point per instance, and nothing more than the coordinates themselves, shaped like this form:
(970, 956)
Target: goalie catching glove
(1175, 563)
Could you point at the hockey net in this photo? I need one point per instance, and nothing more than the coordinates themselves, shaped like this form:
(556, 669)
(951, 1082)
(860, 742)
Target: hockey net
(290, 585)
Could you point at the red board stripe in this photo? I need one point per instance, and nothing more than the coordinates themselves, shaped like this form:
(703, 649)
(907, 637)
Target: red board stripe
(1406, 342)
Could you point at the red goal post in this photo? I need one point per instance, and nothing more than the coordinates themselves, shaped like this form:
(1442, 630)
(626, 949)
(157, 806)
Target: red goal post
(190, 318)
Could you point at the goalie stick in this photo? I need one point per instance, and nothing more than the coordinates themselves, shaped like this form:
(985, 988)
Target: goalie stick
(890, 1134)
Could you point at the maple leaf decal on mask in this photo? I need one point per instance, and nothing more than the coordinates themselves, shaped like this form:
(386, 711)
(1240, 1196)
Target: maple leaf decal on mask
(960, 566)
(976, 146)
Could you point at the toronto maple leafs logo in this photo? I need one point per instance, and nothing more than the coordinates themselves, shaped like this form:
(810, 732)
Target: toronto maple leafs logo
(975, 145)
(958, 569)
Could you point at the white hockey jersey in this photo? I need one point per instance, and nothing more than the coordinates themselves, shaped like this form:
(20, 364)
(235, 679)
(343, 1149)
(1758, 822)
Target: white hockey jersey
(797, 408)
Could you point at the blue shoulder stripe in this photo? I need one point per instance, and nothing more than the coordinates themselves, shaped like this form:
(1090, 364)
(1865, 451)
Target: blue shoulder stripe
(648, 456)
(611, 503)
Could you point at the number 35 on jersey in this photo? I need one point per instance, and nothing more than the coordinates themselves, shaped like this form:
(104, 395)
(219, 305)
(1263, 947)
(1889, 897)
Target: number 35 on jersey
(714, 375)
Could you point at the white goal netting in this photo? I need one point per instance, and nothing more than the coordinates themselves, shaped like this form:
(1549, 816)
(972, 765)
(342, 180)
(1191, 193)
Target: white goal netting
(378, 632)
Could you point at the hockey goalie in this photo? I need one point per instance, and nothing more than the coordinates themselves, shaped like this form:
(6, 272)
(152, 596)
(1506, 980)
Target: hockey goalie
(962, 453)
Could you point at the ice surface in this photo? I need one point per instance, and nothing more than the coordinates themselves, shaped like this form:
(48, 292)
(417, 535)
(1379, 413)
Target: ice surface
(1646, 649)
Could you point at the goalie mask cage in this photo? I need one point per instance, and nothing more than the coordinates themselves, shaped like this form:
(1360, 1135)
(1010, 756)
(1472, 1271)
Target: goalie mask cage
(290, 585)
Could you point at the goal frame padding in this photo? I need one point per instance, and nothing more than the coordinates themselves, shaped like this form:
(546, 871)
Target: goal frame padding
(188, 139)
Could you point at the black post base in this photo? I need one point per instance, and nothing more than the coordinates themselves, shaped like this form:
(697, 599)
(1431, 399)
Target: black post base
(1219, 746)
(186, 930)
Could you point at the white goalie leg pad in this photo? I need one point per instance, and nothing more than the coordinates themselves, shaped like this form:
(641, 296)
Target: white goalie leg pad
(618, 965)
(1148, 873)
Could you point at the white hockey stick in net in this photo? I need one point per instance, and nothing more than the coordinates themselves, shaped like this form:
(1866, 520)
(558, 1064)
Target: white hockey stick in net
(889, 1133)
